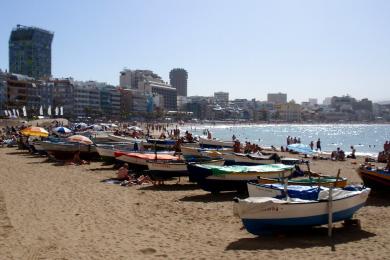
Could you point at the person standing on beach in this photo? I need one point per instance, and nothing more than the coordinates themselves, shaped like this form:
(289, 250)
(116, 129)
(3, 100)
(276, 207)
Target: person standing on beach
(311, 145)
(318, 144)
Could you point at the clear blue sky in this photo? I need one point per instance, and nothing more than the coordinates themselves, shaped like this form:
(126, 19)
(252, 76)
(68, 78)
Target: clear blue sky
(248, 48)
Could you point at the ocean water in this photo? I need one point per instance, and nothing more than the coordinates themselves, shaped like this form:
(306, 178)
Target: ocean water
(367, 139)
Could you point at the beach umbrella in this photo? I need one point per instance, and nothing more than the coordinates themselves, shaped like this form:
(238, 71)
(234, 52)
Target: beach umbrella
(300, 148)
(62, 130)
(35, 131)
(79, 139)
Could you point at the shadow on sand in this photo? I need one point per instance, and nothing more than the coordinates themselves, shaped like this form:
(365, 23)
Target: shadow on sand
(102, 169)
(304, 238)
(210, 197)
(378, 199)
(23, 152)
(171, 187)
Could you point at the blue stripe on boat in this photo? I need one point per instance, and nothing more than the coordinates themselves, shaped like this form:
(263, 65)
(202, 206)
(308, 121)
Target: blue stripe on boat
(266, 226)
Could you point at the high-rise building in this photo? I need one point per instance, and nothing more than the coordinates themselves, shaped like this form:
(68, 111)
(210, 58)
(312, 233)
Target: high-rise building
(178, 79)
(277, 98)
(30, 51)
(131, 79)
(221, 98)
(150, 83)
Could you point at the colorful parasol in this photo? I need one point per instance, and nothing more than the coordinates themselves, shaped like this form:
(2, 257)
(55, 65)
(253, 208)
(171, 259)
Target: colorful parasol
(79, 139)
(35, 131)
(62, 130)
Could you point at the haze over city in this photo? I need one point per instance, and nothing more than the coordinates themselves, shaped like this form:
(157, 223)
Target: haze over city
(250, 48)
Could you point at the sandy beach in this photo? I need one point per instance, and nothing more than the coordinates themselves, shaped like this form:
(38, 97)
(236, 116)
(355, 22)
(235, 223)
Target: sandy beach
(51, 211)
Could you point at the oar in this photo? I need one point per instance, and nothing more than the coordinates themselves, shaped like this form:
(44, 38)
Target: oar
(337, 178)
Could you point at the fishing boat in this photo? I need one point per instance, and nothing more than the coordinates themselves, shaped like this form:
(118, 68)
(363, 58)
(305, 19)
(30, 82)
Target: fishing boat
(214, 178)
(107, 151)
(163, 169)
(118, 138)
(66, 150)
(250, 159)
(141, 159)
(377, 179)
(162, 143)
(195, 152)
(323, 180)
(213, 143)
(303, 207)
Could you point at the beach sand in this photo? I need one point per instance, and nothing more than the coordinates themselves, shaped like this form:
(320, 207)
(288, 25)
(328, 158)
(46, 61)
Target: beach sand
(50, 211)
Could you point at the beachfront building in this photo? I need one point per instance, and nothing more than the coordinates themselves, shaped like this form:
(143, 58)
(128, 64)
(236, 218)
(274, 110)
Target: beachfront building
(3, 92)
(63, 95)
(289, 112)
(343, 104)
(150, 84)
(110, 101)
(178, 79)
(133, 103)
(167, 95)
(87, 99)
(96, 99)
(30, 52)
(199, 106)
(131, 79)
(22, 91)
(181, 102)
(313, 102)
(263, 111)
(221, 98)
(277, 98)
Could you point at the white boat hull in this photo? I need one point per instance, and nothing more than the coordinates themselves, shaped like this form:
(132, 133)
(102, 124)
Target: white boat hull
(215, 143)
(245, 160)
(264, 214)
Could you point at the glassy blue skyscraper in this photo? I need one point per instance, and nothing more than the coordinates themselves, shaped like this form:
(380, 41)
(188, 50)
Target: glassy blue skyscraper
(30, 51)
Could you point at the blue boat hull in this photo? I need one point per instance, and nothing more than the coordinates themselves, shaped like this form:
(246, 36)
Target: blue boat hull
(267, 226)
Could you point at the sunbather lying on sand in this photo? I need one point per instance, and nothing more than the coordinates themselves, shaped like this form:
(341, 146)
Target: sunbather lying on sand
(77, 160)
(123, 172)
(133, 180)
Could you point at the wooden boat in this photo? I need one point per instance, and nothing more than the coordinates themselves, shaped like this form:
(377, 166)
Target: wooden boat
(107, 151)
(263, 215)
(142, 159)
(233, 178)
(377, 179)
(250, 159)
(190, 153)
(167, 169)
(212, 143)
(325, 181)
(162, 143)
(66, 150)
(118, 138)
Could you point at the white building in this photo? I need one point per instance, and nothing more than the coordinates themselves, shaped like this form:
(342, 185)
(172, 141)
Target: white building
(221, 98)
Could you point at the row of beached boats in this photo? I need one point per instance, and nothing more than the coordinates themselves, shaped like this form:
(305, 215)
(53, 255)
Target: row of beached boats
(281, 195)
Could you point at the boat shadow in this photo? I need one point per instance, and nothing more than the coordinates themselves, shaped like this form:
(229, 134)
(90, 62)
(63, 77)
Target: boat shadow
(22, 152)
(171, 187)
(378, 200)
(304, 238)
(210, 197)
(102, 169)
